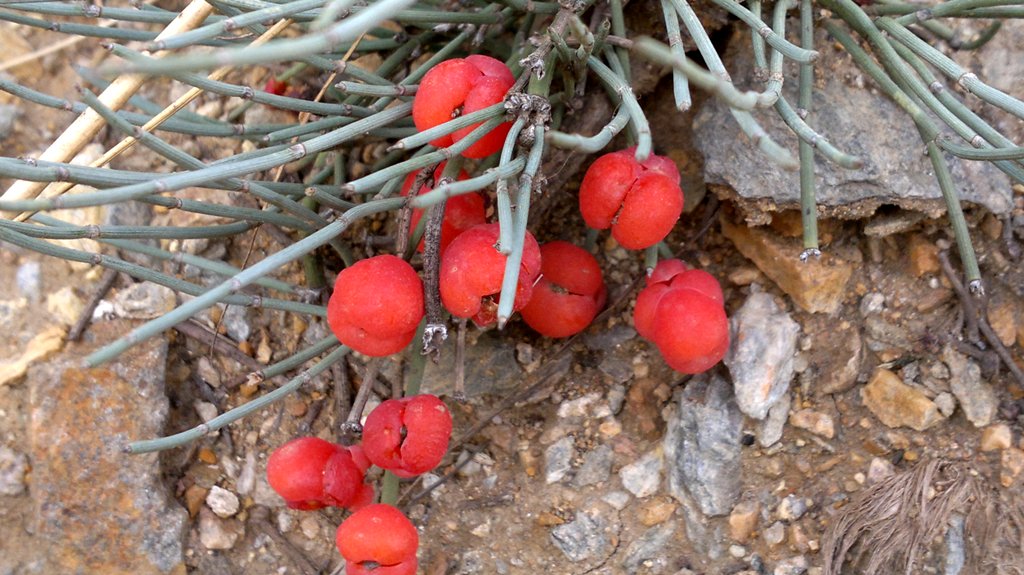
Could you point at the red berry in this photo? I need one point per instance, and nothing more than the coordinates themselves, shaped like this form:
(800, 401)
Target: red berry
(458, 87)
(677, 274)
(640, 202)
(275, 86)
(691, 330)
(568, 294)
(646, 309)
(408, 436)
(376, 305)
(310, 473)
(681, 311)
(666, 270)
(472, 270)
(378, 539)
(460, 212)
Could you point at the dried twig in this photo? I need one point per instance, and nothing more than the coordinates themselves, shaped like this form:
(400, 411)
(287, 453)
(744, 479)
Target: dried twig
(259, 519)
(352, 427)
(976, 321)
(89, 123)
(85, 318)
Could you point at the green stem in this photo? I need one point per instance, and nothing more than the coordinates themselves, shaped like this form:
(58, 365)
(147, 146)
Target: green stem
(241, 411)
(808, 203)
(244, 278)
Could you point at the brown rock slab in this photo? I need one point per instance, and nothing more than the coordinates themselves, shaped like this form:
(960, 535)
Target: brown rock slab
(102, 511)
(897, 404)
(817, 285)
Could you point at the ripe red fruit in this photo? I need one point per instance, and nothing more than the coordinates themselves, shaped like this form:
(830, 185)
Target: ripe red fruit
(408, 436)
(640, 202)
(670, 274)
(458, 87)
(376, 305)
(275, 86)
(681, 311)
(568, 294)
(472, 270)
(460, 212)
(310, 473)
(378, 540)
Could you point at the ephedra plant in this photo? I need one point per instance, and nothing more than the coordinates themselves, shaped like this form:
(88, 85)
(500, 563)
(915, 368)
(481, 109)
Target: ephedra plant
(469, 98)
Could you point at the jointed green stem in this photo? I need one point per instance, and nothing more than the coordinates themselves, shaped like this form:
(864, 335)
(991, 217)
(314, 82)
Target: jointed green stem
(503, 199)
(258, 270)
(241, 411)
(774, 40)
(808, 203)
(944, 64)
(680, 85)
(510, 281)
(628, 100)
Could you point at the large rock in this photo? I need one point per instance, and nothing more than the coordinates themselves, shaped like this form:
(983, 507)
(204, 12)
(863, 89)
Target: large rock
(702, 446)
(855, 118)
(101, 510)
(760, 357)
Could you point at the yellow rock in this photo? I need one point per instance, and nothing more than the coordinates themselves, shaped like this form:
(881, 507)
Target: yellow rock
(897, 404)
(817, 285)
(65, 305)
(41, 347)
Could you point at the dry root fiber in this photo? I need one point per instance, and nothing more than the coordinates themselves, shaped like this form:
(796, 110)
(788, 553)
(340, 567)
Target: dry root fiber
(894, 523)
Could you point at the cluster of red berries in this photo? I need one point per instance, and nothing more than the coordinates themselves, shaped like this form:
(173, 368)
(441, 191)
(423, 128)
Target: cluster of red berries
(681, 311)
(378, 304)
(407, 436)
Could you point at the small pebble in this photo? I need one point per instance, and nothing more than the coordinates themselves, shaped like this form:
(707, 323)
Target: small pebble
(775, 534)
(1012, 466)
(791, 508)
(206, 411)
(309, 527)
(296, 406)
(206, 455)
(216, 533)
(223, 502)
(558, 460)
(743, 520)
(617, 499)
(879, 469)
(814, 421)
(643, 477)
(656, 511)
(194, 498)
(548, 519)
(995, 437)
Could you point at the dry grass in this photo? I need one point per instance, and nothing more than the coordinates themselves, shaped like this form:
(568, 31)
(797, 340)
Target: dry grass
(891, 525)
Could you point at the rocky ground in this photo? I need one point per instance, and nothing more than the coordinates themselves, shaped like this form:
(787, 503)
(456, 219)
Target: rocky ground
(865, 406)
